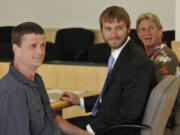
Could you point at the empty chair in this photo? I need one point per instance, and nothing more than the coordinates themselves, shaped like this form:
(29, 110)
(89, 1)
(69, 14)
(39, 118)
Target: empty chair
(99, 53)
(168, 36)
(51, 53)
(5, 34)
(134, 36)
(6, 52)
(73, 44)
(158, 108)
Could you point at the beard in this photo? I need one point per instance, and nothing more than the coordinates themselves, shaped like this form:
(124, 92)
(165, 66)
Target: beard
(116, 42)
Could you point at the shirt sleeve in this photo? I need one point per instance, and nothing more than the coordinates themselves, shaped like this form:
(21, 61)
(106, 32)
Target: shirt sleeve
(14, 118)
(165, 62)
(89, 129)
(82, 106)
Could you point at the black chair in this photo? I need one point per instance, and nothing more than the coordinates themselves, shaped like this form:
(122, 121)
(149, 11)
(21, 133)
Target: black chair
(6, 52)
(168, 36)
(99, 53)
(136, 39)
(73, 44)
(5, 34)
(51, 53)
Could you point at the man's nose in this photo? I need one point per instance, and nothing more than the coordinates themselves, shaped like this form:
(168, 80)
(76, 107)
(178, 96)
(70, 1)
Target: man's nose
(114, 33)
(40, 49)
(147, 31)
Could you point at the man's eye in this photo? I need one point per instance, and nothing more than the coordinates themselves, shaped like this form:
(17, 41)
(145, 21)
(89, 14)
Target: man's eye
(142, 29)
(43, 45)
(33, 46)
(119, 28)
(151, 28)
(107, 29)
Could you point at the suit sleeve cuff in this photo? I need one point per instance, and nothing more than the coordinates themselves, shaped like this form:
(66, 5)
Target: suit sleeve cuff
(89, 129)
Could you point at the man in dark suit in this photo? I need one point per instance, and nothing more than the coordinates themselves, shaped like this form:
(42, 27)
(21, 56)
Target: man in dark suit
(128, 84)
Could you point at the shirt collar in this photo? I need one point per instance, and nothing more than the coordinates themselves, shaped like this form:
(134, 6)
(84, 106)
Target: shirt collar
(158, 48)
(117, 52)
(20, 77)
(161, 46)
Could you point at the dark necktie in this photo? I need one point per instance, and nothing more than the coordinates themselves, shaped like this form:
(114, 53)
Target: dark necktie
(97, 103)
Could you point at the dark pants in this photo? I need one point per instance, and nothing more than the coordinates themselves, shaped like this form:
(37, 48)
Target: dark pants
(121, 131)
(84, 120)
(81, 121)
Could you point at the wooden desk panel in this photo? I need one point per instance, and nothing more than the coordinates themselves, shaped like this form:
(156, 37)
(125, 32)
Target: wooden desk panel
(73, 76)
(68, 76)
(4, 67)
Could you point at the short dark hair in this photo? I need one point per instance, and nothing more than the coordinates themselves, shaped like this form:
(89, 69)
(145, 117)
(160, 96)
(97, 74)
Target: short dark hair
(114, 12)
(25, 28)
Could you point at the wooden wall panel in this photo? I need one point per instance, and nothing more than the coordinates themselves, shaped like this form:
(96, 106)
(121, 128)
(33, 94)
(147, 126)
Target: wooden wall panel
(68, 76)
(176, 48)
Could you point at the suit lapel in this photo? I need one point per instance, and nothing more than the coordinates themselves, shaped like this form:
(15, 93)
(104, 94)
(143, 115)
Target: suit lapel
(119, 64)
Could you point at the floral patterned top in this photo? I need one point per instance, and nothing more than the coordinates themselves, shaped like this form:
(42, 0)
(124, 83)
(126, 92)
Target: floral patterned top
(165, 61)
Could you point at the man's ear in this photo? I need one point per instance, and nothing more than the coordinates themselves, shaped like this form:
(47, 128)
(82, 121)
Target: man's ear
(161, 33)
(15, 48)
(129, 30)
(138, 34)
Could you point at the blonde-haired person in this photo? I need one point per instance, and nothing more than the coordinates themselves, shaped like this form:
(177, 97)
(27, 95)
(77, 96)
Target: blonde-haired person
(150, 32)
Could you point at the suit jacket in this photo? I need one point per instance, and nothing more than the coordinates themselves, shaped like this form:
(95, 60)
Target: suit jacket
(127, 91)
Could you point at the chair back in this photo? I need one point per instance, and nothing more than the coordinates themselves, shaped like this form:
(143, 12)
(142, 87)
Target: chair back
(73, 43)
(6, 52)
(99, 53)
(5, 34)
(160, 105)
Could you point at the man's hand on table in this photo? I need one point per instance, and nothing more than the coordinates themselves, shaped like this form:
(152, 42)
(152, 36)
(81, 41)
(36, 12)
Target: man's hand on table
(70, 97)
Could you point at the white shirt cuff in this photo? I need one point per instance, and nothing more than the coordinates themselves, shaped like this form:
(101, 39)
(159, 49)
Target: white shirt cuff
(82, 103)
(89, 129)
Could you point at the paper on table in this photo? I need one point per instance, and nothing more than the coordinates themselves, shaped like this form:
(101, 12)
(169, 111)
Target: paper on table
(54, 94)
